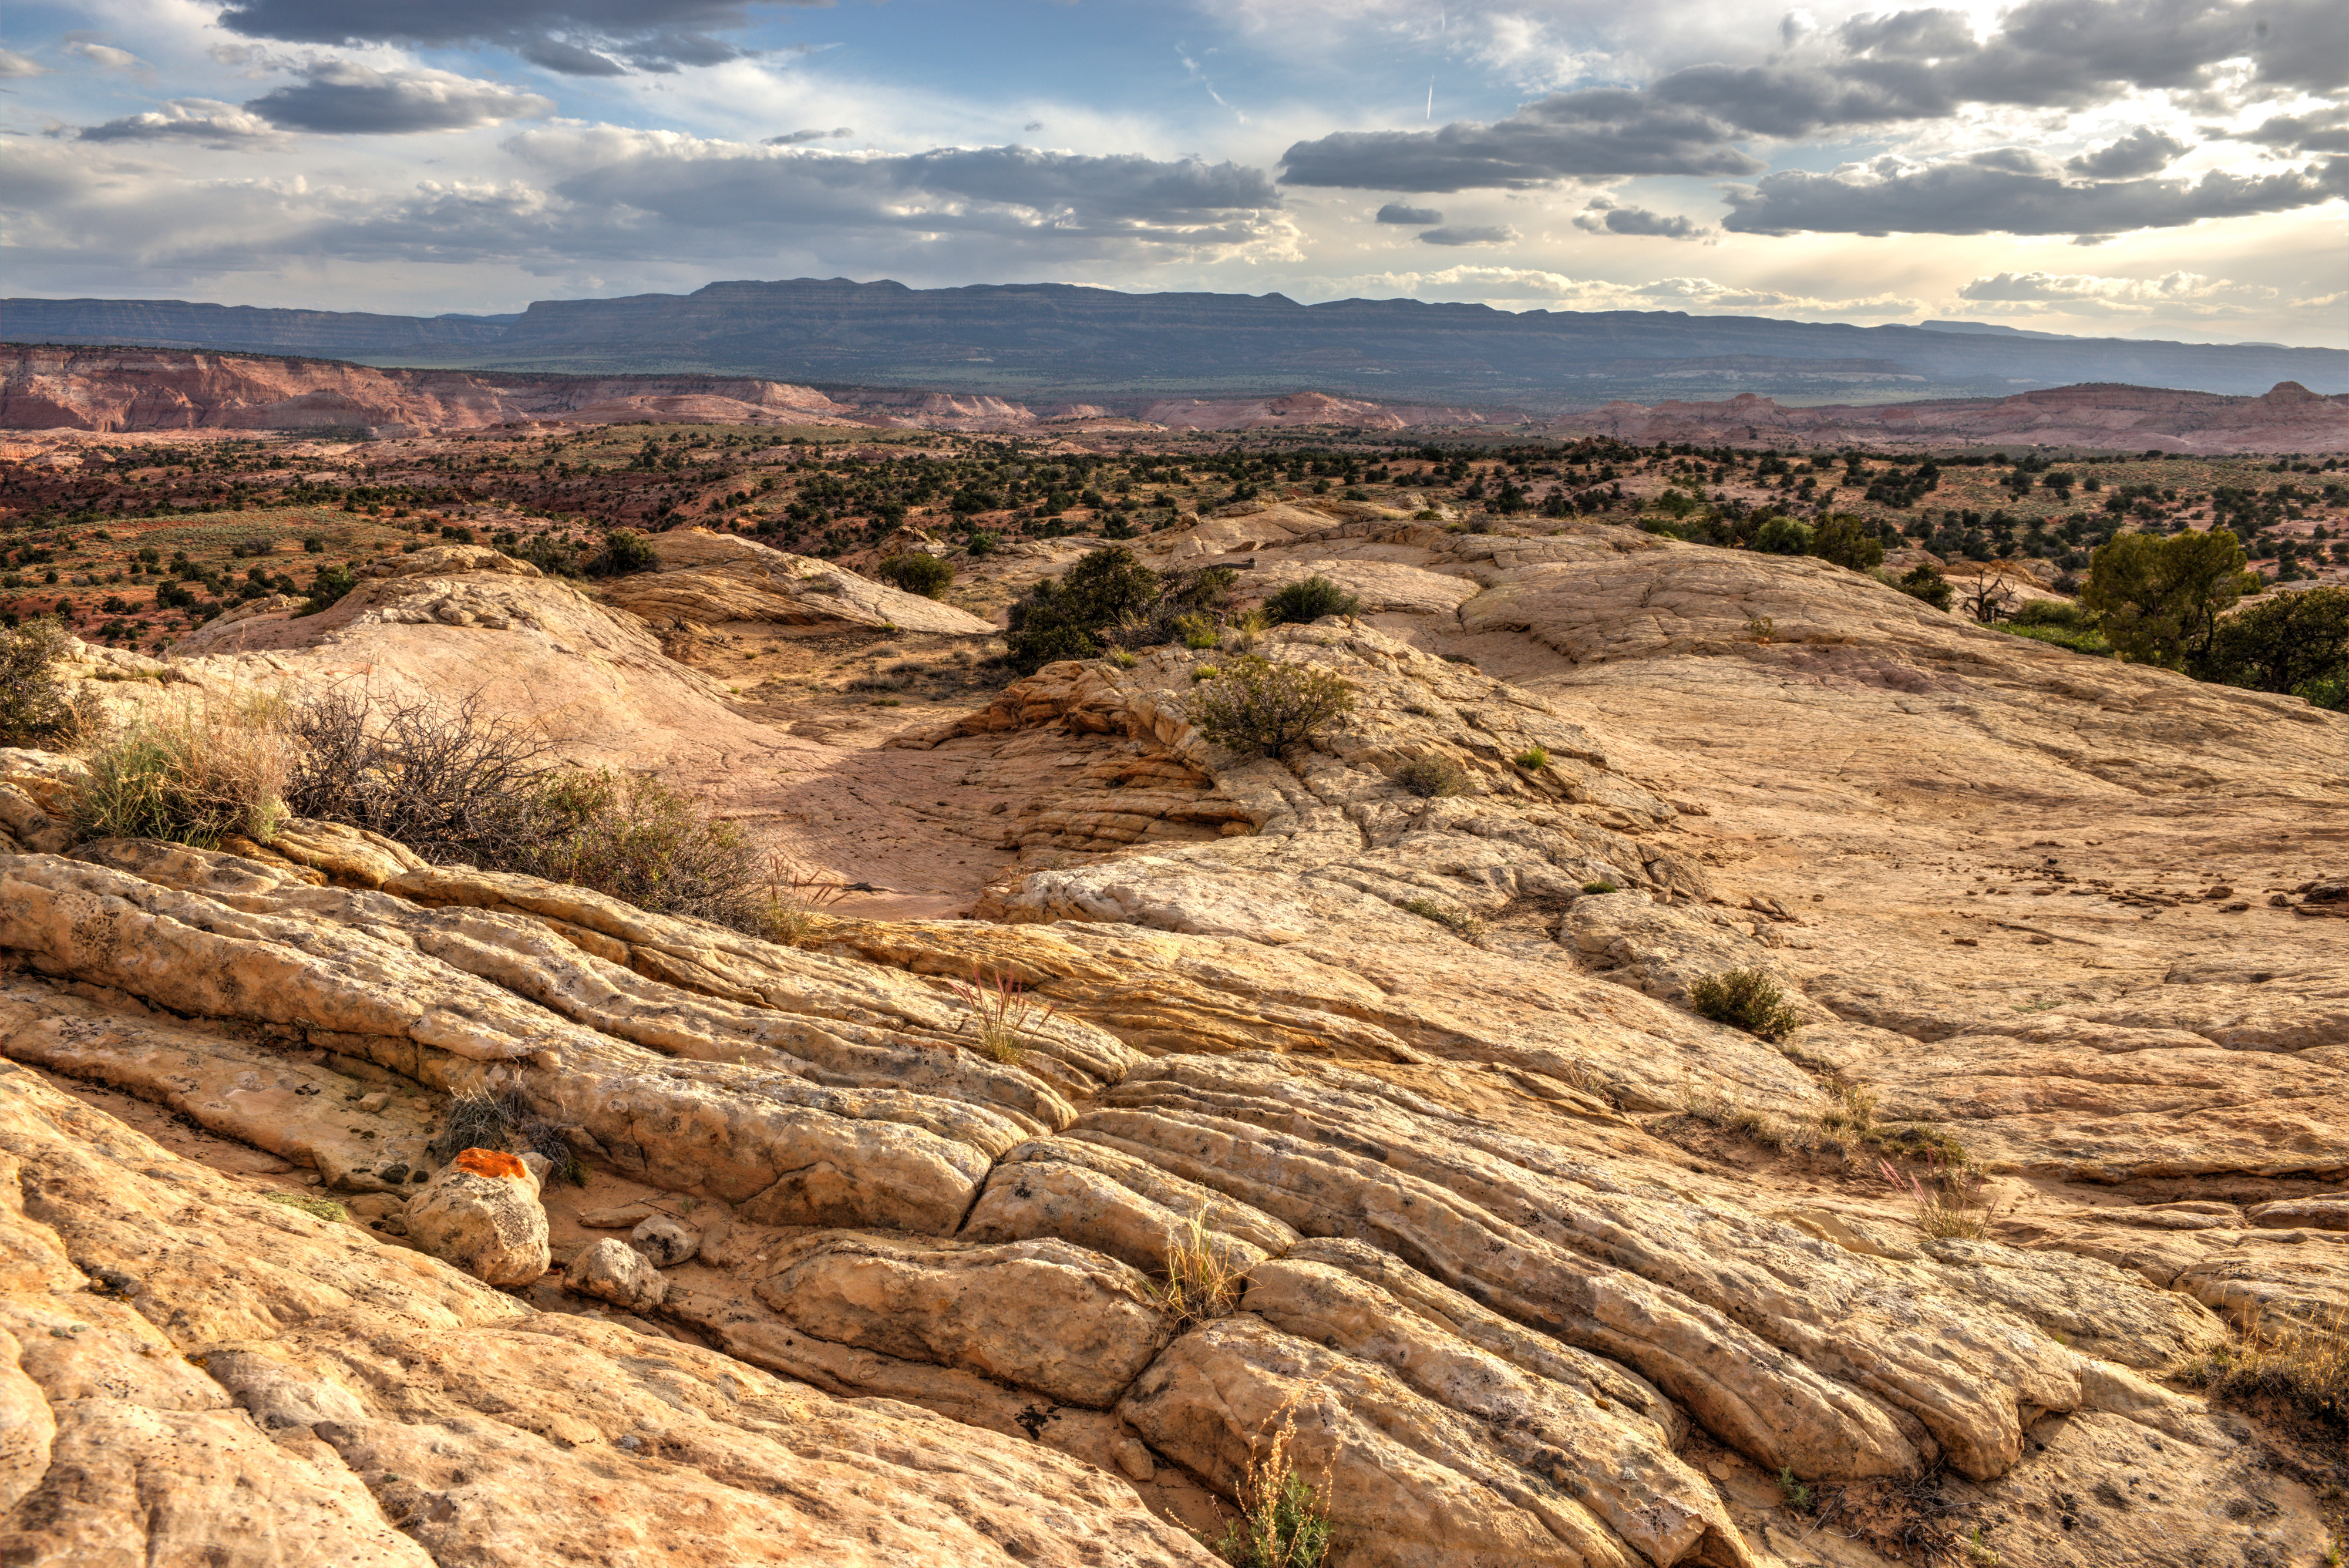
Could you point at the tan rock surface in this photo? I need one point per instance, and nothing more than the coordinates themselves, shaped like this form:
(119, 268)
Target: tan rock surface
(718, 579)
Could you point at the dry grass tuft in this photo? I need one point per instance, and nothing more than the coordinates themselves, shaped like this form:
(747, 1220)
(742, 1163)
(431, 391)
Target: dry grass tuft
(194, 771)
(1205, 1275)
(1946, 1199)
(1005, 1014)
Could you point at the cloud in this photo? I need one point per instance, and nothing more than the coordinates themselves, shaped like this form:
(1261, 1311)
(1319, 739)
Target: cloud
(1605, 217)
(346, 100)
(576, 37)
(1396, 213)
(2174, 296)
(1924, 64)
(106, 57)
(1491, 234)
(800, 137)
(2010, 190)
(14, 65)
(200, 119)
(2319, 131)
(1520, 288)
(1595, 133)
(2144, 151)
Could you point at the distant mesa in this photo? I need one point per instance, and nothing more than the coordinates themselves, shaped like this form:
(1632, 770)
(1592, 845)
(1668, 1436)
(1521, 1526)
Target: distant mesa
(127, 390)
(1061, 342)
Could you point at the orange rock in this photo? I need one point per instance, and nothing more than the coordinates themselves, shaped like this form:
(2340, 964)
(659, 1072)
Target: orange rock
(491, 1162)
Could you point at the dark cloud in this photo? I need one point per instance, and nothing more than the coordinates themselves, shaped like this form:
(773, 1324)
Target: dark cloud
(1396, 213)
(1595, 133)
(2144, 151)
(1915, 65)
(2319, 131)
(1056, 199)
(1603, 216)
(345, 100)
(801, 137)
(579, 37)
(1494, 234)
(2013, 192)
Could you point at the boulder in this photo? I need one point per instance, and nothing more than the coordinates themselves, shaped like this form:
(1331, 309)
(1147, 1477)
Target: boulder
(614, 1272)
(665, 1243)
(482, 1214)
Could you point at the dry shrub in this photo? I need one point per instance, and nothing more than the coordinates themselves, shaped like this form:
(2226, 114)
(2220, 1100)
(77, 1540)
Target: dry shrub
(1284, 1520)
(641, 841)
(194, 771)
(453, 782)
(1459, 922)
(1205, 1274)
(36, 709)
(1433, 776)
(2307, 1367)
(483, 1120)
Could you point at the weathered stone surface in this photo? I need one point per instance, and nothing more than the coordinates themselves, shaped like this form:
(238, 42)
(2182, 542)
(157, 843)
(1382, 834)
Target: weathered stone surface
(976, 1307)
(502, 1435)
(614, 1272)
(484, 1218)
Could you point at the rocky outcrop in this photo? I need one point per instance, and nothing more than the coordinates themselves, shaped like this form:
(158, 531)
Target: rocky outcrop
(715, 579)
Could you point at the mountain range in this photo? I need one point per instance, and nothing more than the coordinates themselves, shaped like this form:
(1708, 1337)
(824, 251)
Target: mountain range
(1048, 341)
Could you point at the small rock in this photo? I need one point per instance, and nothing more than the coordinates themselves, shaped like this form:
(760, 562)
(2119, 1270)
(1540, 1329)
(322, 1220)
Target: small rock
(482, 1214)
(614, 1272)
(376, 1101)
(666, 1242)
(2219, 892)
(372, 1205)
(627, 1216)
(2237, 907)
(1965, 942)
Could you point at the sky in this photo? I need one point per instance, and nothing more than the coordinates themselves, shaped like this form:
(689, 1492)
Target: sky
(2170, 168)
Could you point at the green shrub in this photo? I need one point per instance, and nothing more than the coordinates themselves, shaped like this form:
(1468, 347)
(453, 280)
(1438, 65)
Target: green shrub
(1110, 597)
(1848, 542)
(35, 707)
(1782, 536)
(1308, 600)
(1255, 705)
(327, 584)
(917, 573)
(194, 774)
(641, 841)
(2282, 644)
(2158, 600)
(1284, 1521)
(1431, 777)
(2063, 625)
(1197, 632)
(1925, 582)
(1745, 999)
(980, 543)
(1598, 887)
(624, 551)
(1533, 759)
(1452, 919)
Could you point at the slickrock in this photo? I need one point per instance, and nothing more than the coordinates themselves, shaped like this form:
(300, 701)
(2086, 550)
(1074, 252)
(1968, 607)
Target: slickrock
(1533, 1264)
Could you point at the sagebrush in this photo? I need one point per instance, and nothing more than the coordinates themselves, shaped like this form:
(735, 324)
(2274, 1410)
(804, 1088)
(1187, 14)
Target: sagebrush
(36, 708)
(1745, 999)
(1256, 705)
